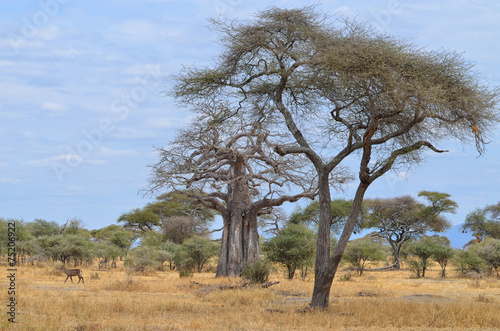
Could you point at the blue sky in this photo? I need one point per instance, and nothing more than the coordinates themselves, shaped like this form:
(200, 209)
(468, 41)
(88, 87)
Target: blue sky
(81, 104)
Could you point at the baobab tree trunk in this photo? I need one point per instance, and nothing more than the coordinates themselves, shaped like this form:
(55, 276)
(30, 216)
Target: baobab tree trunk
(240, 238)
(240, 243)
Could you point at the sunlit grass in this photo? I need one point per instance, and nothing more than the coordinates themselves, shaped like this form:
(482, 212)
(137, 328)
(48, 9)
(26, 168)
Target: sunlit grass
(120, 300)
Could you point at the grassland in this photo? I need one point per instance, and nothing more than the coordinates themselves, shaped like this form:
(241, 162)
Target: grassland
(162, 301)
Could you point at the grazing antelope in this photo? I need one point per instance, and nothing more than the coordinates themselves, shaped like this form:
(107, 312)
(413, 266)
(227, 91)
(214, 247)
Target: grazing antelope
(73, 272)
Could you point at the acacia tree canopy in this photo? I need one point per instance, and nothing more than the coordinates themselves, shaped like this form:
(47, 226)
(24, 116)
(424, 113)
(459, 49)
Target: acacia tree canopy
(400, 219)
(340, 209)
(484, 222)
(343, 89)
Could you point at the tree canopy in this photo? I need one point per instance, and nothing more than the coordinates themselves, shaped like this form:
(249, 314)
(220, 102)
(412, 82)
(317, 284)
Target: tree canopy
(484, 222)
(403, 218)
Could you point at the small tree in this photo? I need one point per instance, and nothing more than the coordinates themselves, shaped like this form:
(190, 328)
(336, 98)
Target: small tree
(442, 255)
(340, 209)
(141, 220)
(293, 247)
(424, 249)
(142, 258)
(198, 250)
(360, 252)
(489, 251)
(171, 249)
(469, 261)
(402, 218)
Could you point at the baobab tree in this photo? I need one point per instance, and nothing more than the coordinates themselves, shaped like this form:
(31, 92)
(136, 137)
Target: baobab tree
(231, 167)
(341, 89)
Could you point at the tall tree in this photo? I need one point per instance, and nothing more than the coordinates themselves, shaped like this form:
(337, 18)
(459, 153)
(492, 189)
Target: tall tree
(343, 90)
(230, 167)
(140, 220)
(403, 218)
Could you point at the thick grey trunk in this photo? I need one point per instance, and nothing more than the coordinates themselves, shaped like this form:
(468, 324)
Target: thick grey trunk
(240, 243)
(240, 238)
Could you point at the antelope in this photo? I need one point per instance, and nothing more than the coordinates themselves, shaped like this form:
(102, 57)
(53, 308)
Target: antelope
(73, 272)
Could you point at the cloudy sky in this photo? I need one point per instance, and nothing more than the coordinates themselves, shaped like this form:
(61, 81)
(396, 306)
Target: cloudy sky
(81, 103)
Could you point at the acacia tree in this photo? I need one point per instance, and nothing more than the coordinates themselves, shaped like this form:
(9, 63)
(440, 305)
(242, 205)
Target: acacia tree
(483, 223)
(427, 247)
(310, 215)
(403, 218)
(230, 167)
(343, 90)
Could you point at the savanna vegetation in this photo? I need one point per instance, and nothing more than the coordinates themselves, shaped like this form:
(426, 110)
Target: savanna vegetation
(162, 285)
(290, 98)
(124, 299)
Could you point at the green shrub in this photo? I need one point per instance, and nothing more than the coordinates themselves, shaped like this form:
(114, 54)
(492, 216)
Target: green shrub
(257, 271)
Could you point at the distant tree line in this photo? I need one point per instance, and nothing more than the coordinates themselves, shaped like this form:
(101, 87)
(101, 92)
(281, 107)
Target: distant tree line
(173, 233)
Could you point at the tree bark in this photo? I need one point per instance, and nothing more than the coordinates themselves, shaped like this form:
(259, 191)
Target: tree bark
(240, 238)
(326, 273)
(396, 248)
(321, 292)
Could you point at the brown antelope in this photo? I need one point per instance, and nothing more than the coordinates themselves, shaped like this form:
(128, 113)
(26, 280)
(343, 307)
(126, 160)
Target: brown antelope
(73, 272)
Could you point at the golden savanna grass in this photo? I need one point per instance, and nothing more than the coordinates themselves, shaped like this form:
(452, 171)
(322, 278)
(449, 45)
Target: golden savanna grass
(119, 300)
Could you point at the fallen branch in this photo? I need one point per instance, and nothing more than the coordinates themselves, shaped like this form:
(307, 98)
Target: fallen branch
(390, 267)
(266, 285)
(223, 286)
(233, 286)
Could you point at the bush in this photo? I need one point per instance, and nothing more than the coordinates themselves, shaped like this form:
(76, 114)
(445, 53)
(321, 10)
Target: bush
(361, 252)
(293, 247)
(469, 260)
(415, 267)
(193, 254)
(257, 271)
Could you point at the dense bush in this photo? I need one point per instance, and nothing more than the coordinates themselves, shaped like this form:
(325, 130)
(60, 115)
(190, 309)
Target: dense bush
(257, 271)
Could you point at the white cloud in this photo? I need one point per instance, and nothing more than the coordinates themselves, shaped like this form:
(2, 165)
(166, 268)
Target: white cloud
(165, 122)
(75, 188)
(131, 133)
(50, 32)
(115, 152)
(68, 52)
(53, 107)
(70, 159)
(7, 180)
(137, 31)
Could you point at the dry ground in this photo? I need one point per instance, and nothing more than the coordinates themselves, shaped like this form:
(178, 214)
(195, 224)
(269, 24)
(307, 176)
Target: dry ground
(163, 301)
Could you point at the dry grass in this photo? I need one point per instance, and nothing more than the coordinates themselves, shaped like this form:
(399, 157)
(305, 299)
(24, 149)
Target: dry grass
(163, 301)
